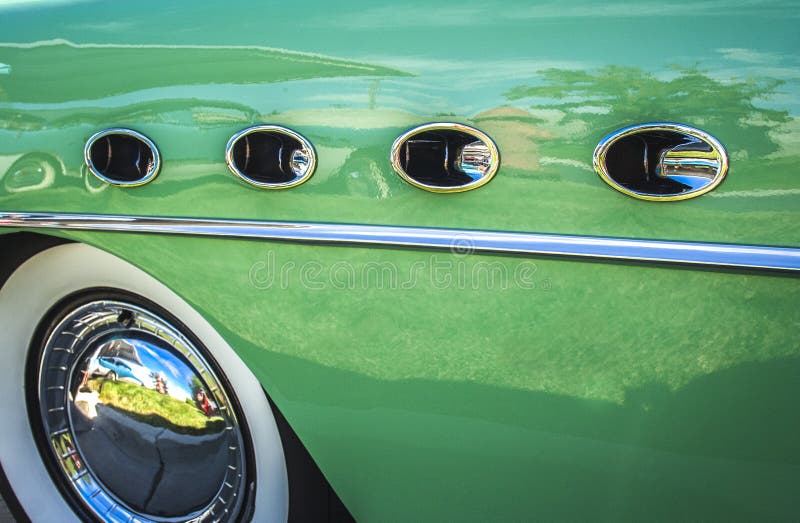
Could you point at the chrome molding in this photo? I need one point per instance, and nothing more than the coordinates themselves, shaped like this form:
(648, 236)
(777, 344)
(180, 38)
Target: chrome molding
(458, 240)
(305, 171)
(152, 170)
(487, 171)
(718, 163)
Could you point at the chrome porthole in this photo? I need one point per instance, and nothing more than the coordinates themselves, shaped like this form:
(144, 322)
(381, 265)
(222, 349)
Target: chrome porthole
(270, 157)
(661, 161)
(135, 422)
(122, 157)
(445, 157)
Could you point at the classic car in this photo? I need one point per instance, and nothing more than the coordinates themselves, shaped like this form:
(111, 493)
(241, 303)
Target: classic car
(116, 368)
(373, 261)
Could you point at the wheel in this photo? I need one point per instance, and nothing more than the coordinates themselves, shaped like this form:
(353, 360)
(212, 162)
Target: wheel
(197, 441)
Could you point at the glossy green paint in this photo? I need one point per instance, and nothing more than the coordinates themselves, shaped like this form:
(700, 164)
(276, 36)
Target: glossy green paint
(580, 391)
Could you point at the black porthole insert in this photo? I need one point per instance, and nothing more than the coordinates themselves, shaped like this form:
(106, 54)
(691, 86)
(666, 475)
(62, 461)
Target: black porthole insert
(270, 157)
(661, 161)
(445, 157)
(122, 157)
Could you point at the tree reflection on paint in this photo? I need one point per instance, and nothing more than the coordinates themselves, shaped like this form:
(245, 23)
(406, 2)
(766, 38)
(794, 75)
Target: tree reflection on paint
(616, 96)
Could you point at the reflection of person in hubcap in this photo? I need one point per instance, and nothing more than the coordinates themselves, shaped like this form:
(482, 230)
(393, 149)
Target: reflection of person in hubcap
(160, 384)
(203, 403)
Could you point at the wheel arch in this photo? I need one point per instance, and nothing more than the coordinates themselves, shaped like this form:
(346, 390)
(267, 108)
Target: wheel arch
(306, 482)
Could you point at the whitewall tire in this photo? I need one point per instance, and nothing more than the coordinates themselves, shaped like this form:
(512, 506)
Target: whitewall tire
(58, 272)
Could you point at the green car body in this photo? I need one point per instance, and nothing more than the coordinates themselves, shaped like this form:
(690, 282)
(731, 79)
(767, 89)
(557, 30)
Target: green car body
(451, 385)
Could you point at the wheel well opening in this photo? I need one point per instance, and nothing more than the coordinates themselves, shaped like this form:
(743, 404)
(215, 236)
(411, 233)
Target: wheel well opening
(17, 247)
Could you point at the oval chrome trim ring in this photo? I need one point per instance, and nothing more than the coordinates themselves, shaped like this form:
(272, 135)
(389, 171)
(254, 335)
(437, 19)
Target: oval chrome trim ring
(312, 161)
(447, 126)
(520, 243)
(599, 159)
(151, 173)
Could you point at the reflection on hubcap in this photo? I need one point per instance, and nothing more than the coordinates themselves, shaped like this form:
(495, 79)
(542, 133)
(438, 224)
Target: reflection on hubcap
(137, 422)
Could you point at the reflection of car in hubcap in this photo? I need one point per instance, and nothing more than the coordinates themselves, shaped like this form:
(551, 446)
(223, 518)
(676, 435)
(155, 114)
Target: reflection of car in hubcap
(137, 423)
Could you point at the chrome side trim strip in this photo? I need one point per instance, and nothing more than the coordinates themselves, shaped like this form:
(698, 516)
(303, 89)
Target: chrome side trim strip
(457, 240)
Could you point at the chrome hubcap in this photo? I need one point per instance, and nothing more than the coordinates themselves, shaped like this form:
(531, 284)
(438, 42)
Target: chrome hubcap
(138, 425)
